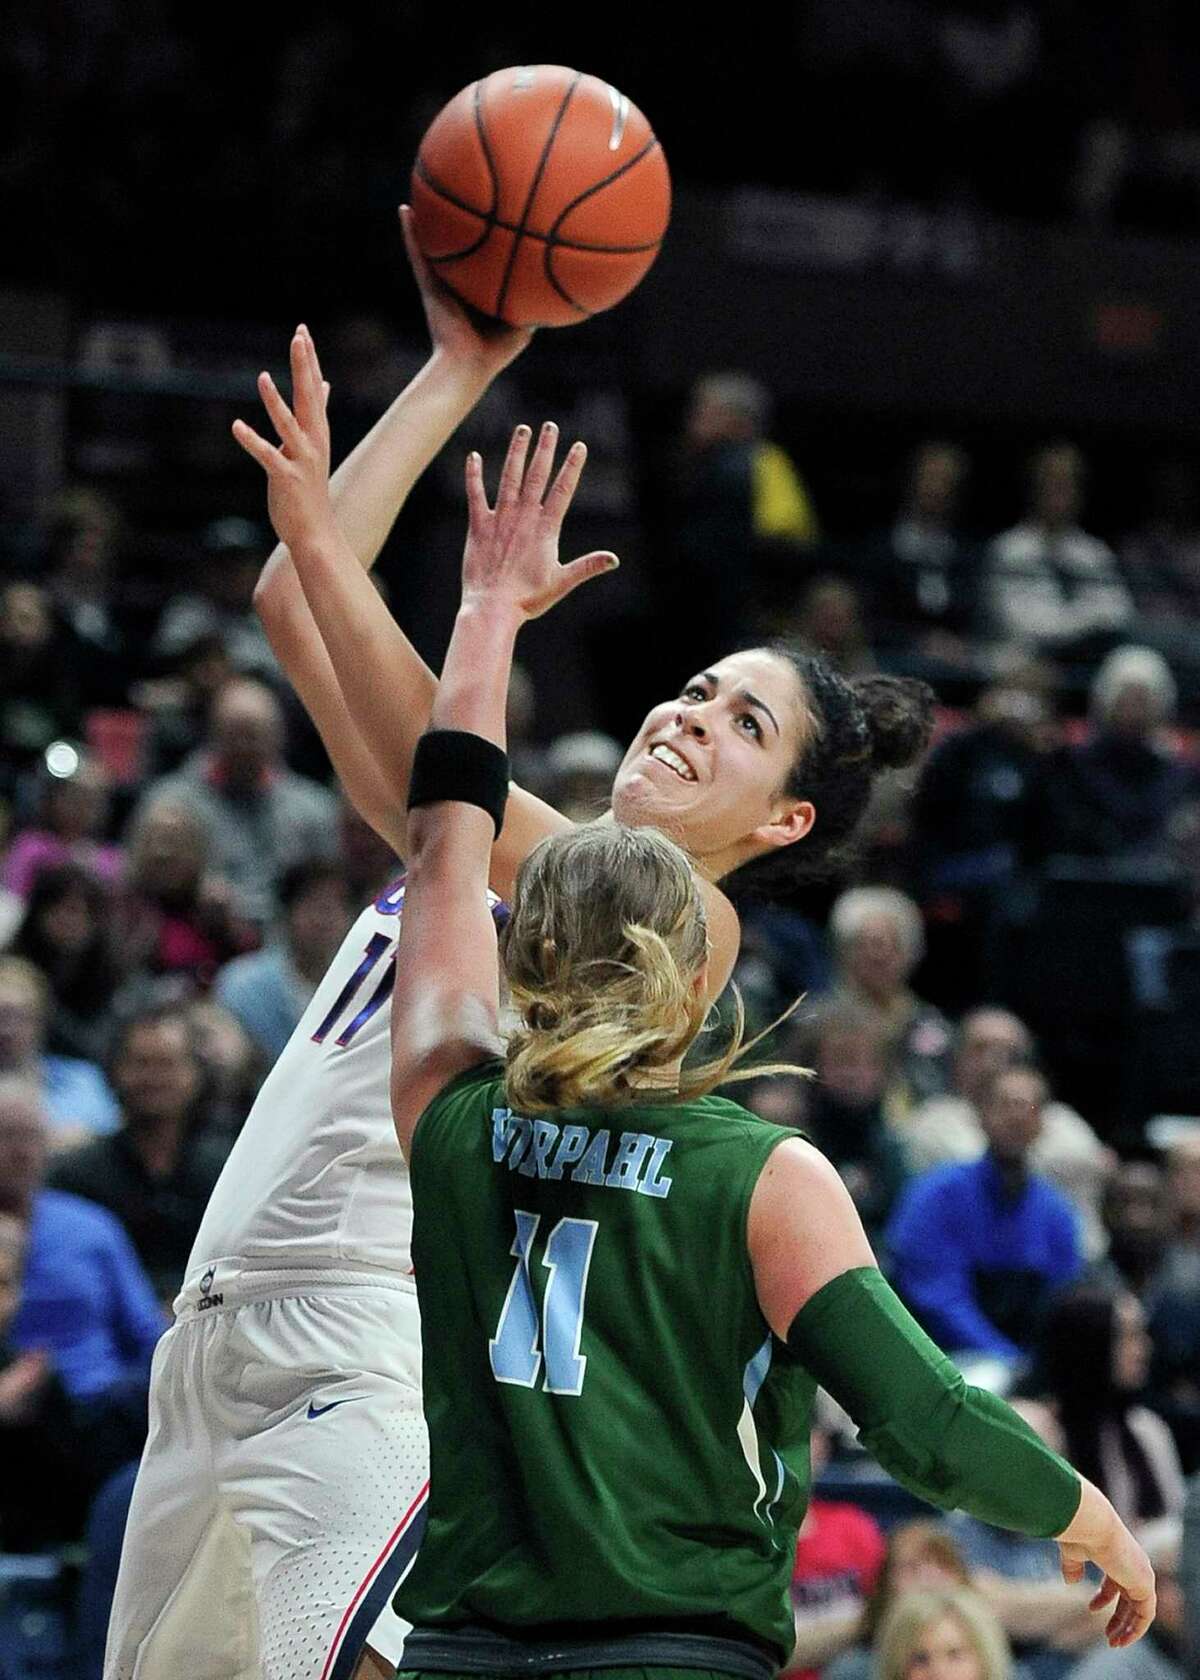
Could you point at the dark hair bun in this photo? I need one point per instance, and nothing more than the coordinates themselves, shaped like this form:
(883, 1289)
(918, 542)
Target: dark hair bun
(899, 714)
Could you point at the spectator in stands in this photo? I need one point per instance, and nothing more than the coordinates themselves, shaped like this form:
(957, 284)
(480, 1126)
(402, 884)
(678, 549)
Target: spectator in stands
(578, 773)
(269, 990)
(920, 1557)
(1161, 560)
(78, 1100)
(233, 1067)
(1141, 1255)
(842, 1109)
(831, 620)
(67, 933)
(260, 815)
(178, 704)
(44, 1480)
(878, 941)
(1183, 1188)
(1113, 796)
(1189, 1567)
(86, 1299)
(157, 1172)
(924, 571)
(84, 539)
(945, 1631)
(978, 1247)
(369, 863)
(222, 604)
(737, 494)
(1092, 1361)
(1049, 586)
(70, 821)
(39, 701)
(839, 1553)
(176, 915)
(947, 1128)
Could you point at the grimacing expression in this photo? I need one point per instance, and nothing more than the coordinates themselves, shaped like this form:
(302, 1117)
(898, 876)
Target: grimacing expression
(709, 768)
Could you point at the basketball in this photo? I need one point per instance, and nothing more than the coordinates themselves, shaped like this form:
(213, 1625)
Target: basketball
(540, 195)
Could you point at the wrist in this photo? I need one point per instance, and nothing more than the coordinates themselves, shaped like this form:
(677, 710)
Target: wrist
(500, 613)
(464, 375)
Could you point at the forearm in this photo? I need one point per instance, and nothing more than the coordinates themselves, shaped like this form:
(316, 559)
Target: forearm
(822, 1635)
(951, 1444)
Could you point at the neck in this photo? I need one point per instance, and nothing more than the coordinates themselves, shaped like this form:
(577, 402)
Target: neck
(156, 1141)
(18, 1204)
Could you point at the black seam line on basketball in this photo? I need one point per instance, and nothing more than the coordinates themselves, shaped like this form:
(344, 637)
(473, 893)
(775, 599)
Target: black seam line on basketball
(607, 181)
(422, 169)
(532, 194)
(562, 291)
(481, 131)
(436, 187)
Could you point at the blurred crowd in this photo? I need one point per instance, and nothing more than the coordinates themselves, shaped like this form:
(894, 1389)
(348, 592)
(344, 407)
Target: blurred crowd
(1057, 109)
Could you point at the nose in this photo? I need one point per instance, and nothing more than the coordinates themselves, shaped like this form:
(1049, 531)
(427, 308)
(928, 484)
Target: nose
(691, 720)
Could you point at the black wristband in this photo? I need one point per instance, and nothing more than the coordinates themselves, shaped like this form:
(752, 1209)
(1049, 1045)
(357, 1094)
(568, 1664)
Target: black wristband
(453, 764)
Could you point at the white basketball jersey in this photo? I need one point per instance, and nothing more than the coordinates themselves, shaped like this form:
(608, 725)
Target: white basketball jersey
(316, 1179)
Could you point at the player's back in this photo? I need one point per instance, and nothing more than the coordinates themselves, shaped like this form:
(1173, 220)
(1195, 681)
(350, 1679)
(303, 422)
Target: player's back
(616, 1437)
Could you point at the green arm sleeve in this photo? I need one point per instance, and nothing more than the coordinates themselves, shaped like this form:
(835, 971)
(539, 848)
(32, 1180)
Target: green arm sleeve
(956, 1446)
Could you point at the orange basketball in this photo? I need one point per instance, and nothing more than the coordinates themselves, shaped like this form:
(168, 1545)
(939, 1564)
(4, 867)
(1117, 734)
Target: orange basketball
(540, 195)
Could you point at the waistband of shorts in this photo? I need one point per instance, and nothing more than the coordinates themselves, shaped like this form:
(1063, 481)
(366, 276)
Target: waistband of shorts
(475, 1650)
(221, 1284)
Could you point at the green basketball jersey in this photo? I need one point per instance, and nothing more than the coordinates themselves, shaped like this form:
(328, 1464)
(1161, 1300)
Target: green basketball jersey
(615, 1435)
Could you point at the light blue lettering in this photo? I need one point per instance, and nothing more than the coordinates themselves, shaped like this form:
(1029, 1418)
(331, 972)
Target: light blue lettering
(545, 1135)
(652, 1184)
(571, 1146)
(591, 1169)
(627, 1164)
(501, 1132)
(521, 1130)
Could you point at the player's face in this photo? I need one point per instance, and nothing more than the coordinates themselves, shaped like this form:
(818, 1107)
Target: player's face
(710, 767)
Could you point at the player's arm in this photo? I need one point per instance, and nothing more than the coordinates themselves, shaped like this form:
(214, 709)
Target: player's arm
(956, 1446)
(445, 1006)
(367, 492)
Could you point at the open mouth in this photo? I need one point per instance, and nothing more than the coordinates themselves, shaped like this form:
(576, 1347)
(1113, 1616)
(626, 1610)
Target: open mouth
(673, 761)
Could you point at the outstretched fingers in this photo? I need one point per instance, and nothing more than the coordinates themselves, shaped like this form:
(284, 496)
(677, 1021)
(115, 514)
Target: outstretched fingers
(542, 465)
(563, 489)
(282, 418)
(306, 380)
(513, 471)
(477, 504)
(266, 454)
(583, 570)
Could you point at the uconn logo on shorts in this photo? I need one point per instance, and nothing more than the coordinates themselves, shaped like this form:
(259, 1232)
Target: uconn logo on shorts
(207, 1298)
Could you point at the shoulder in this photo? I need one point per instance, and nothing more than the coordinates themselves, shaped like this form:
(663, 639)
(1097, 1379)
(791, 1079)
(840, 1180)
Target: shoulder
(61, 1213)
(467, 1096)
(83, 1166)
(243, 973)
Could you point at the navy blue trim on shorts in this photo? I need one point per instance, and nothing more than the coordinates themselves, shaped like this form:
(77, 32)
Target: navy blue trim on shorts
(378, 1595)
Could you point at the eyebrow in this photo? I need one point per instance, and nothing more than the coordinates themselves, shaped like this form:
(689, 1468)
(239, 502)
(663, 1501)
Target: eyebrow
(751, 700)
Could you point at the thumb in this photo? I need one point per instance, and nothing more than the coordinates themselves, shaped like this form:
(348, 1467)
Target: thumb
(588, 566)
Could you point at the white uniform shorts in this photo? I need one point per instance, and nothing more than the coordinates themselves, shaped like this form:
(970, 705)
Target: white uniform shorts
(281, 1494)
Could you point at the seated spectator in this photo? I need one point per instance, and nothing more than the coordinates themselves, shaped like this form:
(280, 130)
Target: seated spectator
(1183, 1188)
(175, 916)
(369, 862)
(67, 933)
(1049, 586)
(842, 1109)
(70, 819)
(977, 1248)
(878, 940)
(839, 1551)
(1162, 1652)
(39, 701)
(578, 771)
(230, 559)
(950, 1630)
(1114, 795)
(260, 815)
(1141, 1255)
(1092, 1361)
(44, 1479)
(920, 1556)
(1161, 559)
(179, 703)
(86, 531)
(924, 571)
(157, 1172)
(269, 990)
(86, 1301)
(78, 1100)
(233, 1068)
(947, 1128)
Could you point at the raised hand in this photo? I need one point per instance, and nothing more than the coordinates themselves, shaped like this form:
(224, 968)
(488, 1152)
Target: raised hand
(511, 557)
(477, 347)
(298, 469)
